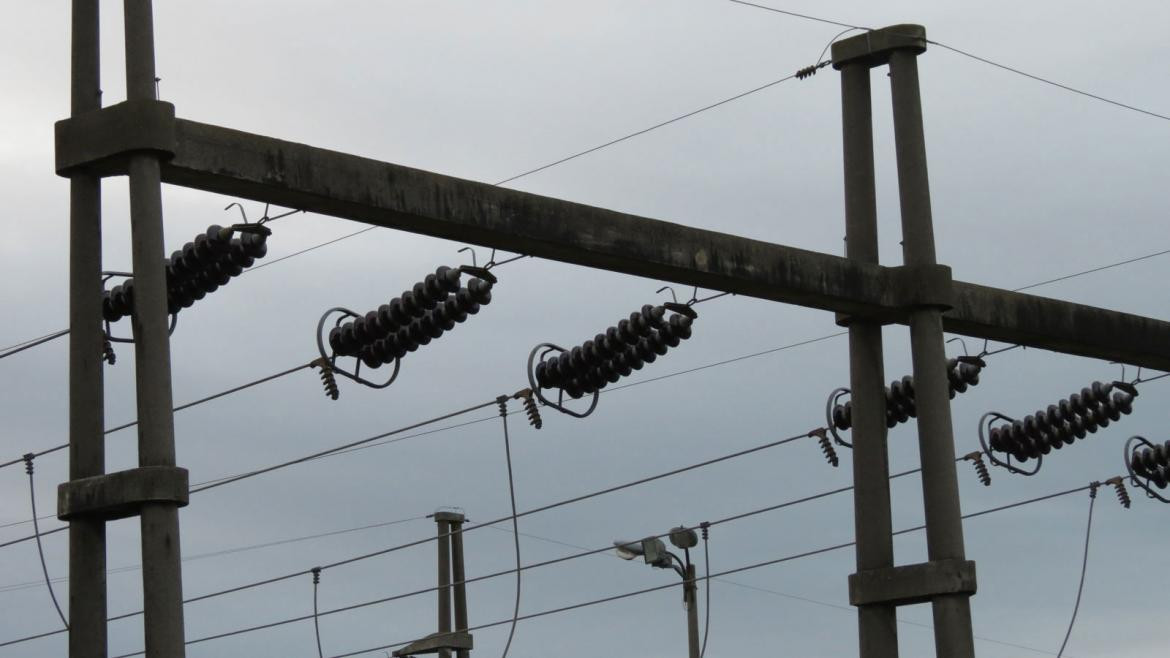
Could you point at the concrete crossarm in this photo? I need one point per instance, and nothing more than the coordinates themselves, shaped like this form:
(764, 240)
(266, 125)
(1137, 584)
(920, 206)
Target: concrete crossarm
(317, 180)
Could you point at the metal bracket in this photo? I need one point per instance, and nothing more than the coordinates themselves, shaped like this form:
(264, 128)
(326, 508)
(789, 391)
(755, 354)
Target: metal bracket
(912, 583)
(122, 494)
(559, 405)
(437, 642)
(101, 142)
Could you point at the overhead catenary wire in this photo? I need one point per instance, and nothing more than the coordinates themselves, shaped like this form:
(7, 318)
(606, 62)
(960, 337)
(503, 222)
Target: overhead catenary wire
(1084, 567)
(727, 572)
(32, 497)
(503, 402)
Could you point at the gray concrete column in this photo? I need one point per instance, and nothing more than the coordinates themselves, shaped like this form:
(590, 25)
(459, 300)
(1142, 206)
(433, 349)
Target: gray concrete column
(162, 579)
(444, 544)
(87, 454)
(877, 624)
(940, 487)
(459, 575)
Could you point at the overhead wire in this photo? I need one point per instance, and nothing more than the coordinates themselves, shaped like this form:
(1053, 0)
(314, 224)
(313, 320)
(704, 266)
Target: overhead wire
(1084, 568)
(32, 496)
(503, 402)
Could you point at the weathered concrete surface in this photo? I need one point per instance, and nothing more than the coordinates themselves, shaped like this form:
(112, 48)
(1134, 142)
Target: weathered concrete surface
(122, 494)
(328, 182)
(912, 583)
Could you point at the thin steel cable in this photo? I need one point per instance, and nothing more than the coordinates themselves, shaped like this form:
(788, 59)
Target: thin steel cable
(31, 342)
(228, 551)
(316, 623)
(181, 407)
(1047, 81)
(1084, 568)
(32, 498)
(1095, 269)
(299, 460)
(515, 527)
(806, 17)
(707, 587)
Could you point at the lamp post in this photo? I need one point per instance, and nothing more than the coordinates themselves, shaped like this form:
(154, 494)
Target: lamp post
(653, 551)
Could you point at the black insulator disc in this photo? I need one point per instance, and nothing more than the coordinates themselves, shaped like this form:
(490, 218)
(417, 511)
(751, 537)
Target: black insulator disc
(993, 439)
(1020, 455)
(655, 342)
(448, 278)
(891, 421)
(359, 332)
(1055, 438)
(574, 388)
(614, 338)
(1123, 402)
(1036, 447)
(1160, 478)
(413, 307)
(453, 312)
(621, 364)
(369, 360)
(607, 370)
(1031, 427)
(1101, 416)
(646, 352)
(217, 238)
(423, 297)
(405, 340)
(255, 244)
(577, 359)
(193, 289)
(347, 340)
(335, 340)
(1138, 465)
(681, 324)
(398, 313)
(839, 420)
(639, 324)
(1076, 402)
(1042, 420)
(969, 372)
(1017, 433)
(1077, 424)
(202, 251)
(418, 334)
(540, 374)
(565, 365)
(1148, 460)
(395, 347)
(176, 264)
(443, 318)
(634, 357)
(1090, 420)
(1111, 410)
(1162, 454)
(1102, 390)
(429, 326)
(181, 297)
(667, 336)
(627, 333)
(654, 315)
(481, 290)
(434, 288)
(602, 347)
(589, 354)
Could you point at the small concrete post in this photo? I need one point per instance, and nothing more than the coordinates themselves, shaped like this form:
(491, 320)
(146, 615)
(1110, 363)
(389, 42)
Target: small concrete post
(877, 624)
(459, 575)
(87, 537)
(940, 486)
(161, 568)
(443, 525)
(691, 600)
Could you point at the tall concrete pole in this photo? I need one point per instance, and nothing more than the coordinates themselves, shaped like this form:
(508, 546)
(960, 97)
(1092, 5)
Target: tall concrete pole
(940, 486)
(162, 577)
(87, 453)
(877, 627)
(459, 575)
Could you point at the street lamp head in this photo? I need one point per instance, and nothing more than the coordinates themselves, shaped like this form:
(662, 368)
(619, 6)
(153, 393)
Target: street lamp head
(652, 550)
(627, 550)
(683, 537)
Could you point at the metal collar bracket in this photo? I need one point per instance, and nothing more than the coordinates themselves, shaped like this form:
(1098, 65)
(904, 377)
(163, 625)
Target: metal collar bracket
(101, 142)
(122, 494)
(437, 642)
(873, 48)
(912, 583)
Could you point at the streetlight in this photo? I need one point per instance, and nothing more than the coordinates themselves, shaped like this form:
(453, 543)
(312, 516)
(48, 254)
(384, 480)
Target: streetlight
(653, 551)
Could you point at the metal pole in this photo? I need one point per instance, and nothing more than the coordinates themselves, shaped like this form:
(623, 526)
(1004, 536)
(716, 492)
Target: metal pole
(691, 599)
(876, 624)
(161, 570)
(459, 575)
(444, 544)
(940, 487)
(87, 453)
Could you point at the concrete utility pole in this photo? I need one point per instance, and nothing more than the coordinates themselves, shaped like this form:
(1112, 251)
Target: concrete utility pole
(143, 139)
(947, 580)
(156, 489)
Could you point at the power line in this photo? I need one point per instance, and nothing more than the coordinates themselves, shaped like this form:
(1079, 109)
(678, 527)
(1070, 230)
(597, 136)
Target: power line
(1084, 568)
(727, 572)
(973, 56)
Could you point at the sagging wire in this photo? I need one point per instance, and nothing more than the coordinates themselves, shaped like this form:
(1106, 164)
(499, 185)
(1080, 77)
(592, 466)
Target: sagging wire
(502, 401)
(32, 497)
(316, 571)
(705, 530)
(1084, 566)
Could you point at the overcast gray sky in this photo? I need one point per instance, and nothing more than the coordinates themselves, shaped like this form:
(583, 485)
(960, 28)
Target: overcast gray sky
(1028, 183)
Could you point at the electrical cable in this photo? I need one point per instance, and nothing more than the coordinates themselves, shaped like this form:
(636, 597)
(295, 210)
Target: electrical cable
(32, 497)
(32, 342)
(316, 624)
(181, 407)
(503, 402)
(227, 551)
(804, 16)
(1084, 567)
(299, 460)
(707, 587)
(727, 572)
